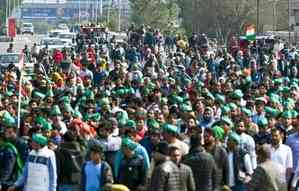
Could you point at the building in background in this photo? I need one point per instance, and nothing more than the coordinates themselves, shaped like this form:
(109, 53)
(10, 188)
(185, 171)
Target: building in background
(76, 11)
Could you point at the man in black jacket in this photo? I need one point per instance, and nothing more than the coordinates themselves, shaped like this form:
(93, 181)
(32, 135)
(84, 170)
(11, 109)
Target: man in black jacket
(213, 145)
(132, 171)
(69, 159)
(186, 174)
(202, 164)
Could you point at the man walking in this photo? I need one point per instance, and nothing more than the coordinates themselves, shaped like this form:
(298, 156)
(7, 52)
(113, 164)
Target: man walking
(39, 173)
(269, 175)
(96, 173)
(187, 179)
(202, 164)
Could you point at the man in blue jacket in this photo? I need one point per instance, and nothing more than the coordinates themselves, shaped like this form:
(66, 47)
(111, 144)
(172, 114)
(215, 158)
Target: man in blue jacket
(96, 173)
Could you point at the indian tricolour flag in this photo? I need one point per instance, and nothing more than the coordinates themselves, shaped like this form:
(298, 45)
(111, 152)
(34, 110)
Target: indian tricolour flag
(250, 33)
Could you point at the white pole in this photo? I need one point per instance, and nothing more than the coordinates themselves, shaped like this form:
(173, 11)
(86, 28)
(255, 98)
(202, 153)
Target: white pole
(101, 8)
(8, 8)
(20, 92)
(96, 10)
(108, 12)
(14, 5)
(79, 12)
(119, 15)
(6, 11)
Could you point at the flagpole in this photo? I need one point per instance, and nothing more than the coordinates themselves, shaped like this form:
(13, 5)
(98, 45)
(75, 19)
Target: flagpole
(20, 92)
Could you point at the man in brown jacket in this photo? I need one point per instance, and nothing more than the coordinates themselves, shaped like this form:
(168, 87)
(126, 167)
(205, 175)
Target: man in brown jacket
(269, 175)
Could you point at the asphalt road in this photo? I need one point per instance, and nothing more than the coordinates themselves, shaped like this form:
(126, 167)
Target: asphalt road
(20, 41)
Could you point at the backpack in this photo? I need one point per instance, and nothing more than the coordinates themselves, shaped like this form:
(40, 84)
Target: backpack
(72, 162)
(19, 163)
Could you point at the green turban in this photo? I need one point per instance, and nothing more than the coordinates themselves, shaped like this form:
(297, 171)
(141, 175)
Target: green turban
(40, 139)
(129, 143)
(218, 133)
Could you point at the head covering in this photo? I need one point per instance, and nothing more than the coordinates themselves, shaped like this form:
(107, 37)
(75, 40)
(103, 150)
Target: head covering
(130, 124)
(129, 143)
(261, 99)
(237, 94)
(68, 108)
(227, 120)
(277, 81)
(39, 139)
(169, 128)
(8, 120)
(152, 124)
(287, 114)
(220, 98)
(225, 109)
(274, 98)
(39, 95)
(55, 111)
(262, 122)
(246, 111)
(77, 114)
(271, 112)
(232, 136)
(46, 126)
(218, 132)
(233, 106)
(186, 108)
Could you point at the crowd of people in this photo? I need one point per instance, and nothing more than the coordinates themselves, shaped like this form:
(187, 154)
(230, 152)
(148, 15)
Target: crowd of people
(152, 113)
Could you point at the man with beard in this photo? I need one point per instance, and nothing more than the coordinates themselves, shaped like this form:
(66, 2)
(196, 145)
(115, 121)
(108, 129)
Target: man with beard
(202, 164)
(110, 143)
(268, 174)
(246, 142)
(281, 153)
(212, 138)
(208, 119)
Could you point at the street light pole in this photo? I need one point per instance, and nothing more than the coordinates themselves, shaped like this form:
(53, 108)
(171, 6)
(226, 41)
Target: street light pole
(257, 15)
(79, 16)
(289, 26)
(119, 15)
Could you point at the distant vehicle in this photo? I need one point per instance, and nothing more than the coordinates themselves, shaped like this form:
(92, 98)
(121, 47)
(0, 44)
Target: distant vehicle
(27, 28)
(67, 38)
(55, 33)
(63, 26)
(13, 58)
(53, 43)
(9, 58)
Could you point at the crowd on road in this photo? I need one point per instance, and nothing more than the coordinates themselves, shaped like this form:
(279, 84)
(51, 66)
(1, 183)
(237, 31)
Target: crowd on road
(154, 112)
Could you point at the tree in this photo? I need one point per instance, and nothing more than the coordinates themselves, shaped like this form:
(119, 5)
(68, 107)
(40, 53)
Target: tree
(162, 14)
(218, 18)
